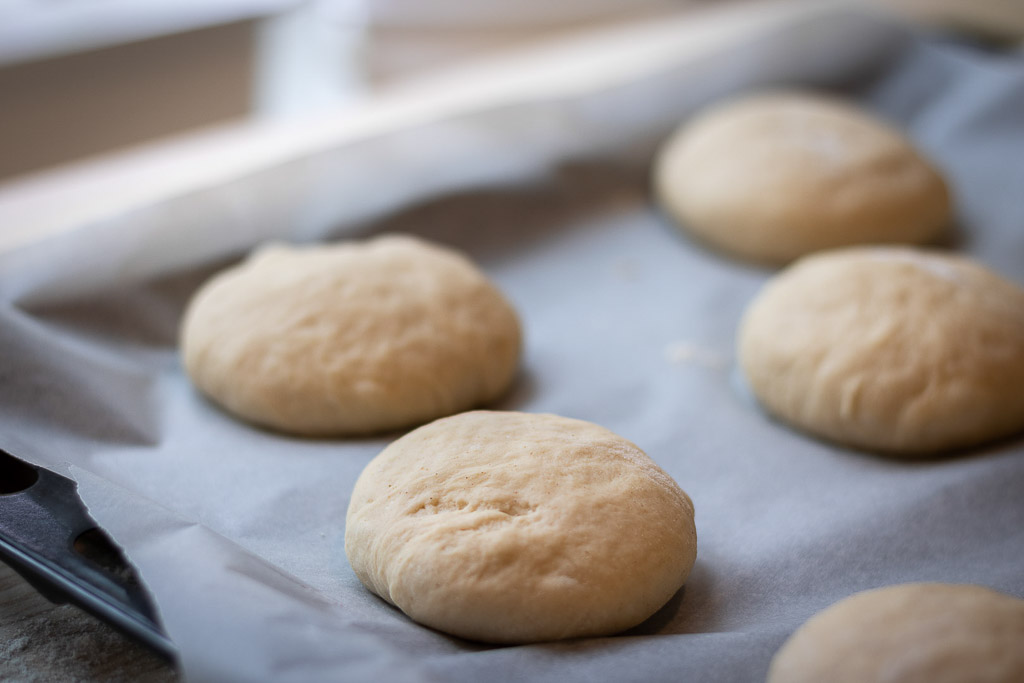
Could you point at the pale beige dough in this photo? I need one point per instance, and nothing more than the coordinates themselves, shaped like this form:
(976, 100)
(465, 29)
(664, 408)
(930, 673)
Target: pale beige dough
(773, 176)
(895, 349)
(910, 633)
(352, 338)
(510, 527)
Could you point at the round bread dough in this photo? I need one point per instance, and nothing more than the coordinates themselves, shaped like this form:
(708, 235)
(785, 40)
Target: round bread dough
(894, 349)
(510, 528)
(910, 633)
(774, 176)
(352, 338)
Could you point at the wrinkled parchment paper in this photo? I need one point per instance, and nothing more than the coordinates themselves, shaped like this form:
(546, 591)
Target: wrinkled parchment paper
(238, 532)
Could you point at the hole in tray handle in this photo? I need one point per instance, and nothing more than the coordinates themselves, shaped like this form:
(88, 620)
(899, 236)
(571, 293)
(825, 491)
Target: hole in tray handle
(15, 476)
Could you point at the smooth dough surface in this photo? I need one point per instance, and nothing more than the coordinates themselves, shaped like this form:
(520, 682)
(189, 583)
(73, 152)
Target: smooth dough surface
(351, 338)
(510, 527)
(774, 176)
(909, 633)
(893, 349)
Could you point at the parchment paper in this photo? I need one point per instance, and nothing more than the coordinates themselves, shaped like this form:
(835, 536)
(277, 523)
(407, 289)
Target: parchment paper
(238, 532)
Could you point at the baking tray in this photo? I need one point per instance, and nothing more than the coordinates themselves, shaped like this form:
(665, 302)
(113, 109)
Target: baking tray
(238, 532)
(47, 536)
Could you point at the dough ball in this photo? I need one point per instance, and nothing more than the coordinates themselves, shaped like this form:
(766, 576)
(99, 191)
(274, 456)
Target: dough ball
(509, 528)
(772, 177)
(351, 338)
(911, 633)
(893, 349)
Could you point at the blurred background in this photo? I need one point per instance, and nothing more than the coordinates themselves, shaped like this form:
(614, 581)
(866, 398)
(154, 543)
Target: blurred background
(80, 78)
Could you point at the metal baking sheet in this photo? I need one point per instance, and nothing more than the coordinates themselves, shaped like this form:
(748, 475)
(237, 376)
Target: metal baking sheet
(238, 532)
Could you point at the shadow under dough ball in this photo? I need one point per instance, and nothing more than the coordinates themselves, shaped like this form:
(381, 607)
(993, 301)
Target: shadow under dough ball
(509, 527)
(909, 633)
(352, 338)
(894, 349)
(774, 176)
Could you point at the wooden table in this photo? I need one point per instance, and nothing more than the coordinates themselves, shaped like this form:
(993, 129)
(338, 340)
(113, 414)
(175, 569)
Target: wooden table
(42, 642)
